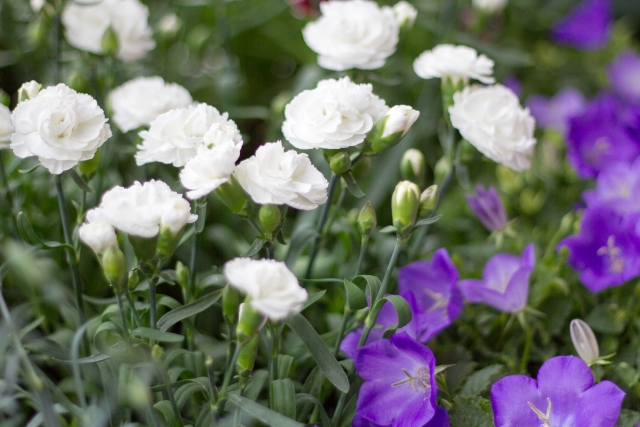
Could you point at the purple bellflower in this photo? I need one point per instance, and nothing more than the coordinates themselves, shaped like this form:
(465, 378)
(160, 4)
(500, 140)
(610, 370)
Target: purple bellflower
(603, 136)
(617, 188)
(505, 282)
(400, 384)
(440, 419)
(488, 207)
(562, 395)
(624, 75)
(607, 250)
(586, 27)
(555, 112)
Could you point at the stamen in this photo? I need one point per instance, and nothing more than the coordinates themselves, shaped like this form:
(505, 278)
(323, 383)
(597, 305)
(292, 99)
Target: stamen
(543, 417)
(616, 262)
(440, 301)
(421, 382)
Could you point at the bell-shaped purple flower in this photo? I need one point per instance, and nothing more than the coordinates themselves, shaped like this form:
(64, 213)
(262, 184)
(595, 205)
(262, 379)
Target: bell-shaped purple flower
(605, 135)
(624, 75)
(400, 385)
(607, 250)
(618, 188)
(505, 282)
(555, 112)
(488, 207)
(434, 287)
(587, 27)
(563, 395)
(440, 419)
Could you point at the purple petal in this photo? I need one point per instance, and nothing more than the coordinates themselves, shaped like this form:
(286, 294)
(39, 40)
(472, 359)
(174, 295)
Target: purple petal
(556, 112)
(600, 405)
(624, 75)
(587, 27)
(509, 399)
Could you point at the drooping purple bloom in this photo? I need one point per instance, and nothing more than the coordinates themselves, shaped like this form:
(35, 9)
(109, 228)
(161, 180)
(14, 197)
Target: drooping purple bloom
(400, 385)
(555, 112)
(617, 188)
(562, 395)
(434, 286)
(624, 75)
(586, 27)
(603, 136)
(488, 207)
(440, 419)
(505, 282)
(607, 250)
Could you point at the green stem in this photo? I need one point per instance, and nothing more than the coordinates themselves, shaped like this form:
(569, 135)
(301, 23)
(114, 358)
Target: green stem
(172, 398)
(192, 264)
(322, 219)
(123, 318)
(152, 302)
(8, 195)
(71, 258)
(227, 379)
(527, 347)
(271, 254)
(336, 211)
(132, 305)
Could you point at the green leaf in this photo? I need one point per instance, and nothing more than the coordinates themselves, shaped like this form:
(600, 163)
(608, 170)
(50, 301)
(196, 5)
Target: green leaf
(299, 239)
(31, 169)
(372, 284)
(352, 185)
(356, 299)
(389, 229)
(402, 310)
(80, 182)
(186, 311)
(313, 298)
(30, 236)
(165, 409)
(467, 412)
(156, 335)
(201, 211)
(302, 398)
(428, 221)
(284, 366)
(255, 247)
(283, 393)
(266, 415)
(628, 418)
(319, 351)
(479, 381)
(185, 391)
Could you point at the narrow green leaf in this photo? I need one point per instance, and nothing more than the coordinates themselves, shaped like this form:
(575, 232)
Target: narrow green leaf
(30, 236)
(389, 229)
(201, 211)
(186, 311)
(284, 397)
(352, 185)
(187, 235)
(372, 284)
(298, 241)
(479, 381)
(356, 298)
(280, 237)
(255, 247)
(80, 182)
(402, 310)
(165, 409)
(156, 335)
(284, 366)
(31, 169)
(428, 221)
(320, 352)
(313, 298)
(184, 393)
(302, 398)
(266, 415)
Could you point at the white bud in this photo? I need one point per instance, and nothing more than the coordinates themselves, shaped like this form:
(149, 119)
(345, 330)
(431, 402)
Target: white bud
(29, 90)
(405, 14)
(584, 341)
(176, 215)
(400, 118)
(99, 236)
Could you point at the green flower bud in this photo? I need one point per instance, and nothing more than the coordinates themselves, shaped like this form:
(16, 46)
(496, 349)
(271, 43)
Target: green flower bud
(115, 267)
(270, 217)
(428, 201)
(37, 31)
(250, 322)
(247, 358)
(405, 202)
(442, 169)
(230, 303)
(89, 167)
(361, 169)
(413, 167)
(168, 241)
(182, 274)
(4, 98)
(157, 353)
(234, 197)
(109, 42)
(449, 86)
(340, 163)
(367, 220)
(390, 129)
(144, 248)
(133, 280)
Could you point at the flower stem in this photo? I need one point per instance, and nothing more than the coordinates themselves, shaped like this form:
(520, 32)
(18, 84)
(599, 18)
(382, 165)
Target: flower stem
(132, 306)
(527, 347)
(227, 379)
(192, 264)
(322, 219)
(8, 195)
(172, 398)
(71, 257)
(123, 318)
(152, 302)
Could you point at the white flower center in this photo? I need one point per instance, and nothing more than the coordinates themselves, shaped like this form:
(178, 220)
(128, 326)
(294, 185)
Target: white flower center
(440, 302)
(420, 382)
(616, 261)
(544, 417)
(56, 124)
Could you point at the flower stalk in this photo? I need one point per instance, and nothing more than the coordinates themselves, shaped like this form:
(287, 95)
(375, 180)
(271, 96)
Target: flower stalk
(322, 219)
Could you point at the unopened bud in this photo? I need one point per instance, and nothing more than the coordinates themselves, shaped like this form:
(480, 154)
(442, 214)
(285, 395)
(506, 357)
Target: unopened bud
(428, 201)
(4, 98)
(234, 197)
(133, 280)
(157, 353)
(340, 163)
(367, 220)
(449, 86)
(89, 167)
(29, 90)
(250, 322)
(405, 15)
(169, 25)
(405, 202)
(270, 217)
(247, 358)
(413, 167)
(584, 341)
(390, 129)
(230, 303)
(442, 169)
(115, 267)
(144, 248)
(182, 275)
(109, 42)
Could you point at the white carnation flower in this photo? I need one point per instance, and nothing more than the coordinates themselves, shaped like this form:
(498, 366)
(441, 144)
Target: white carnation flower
(174, 137)
(141, 209)
(209, 169)
(405, 14)
(273, 176)
(86, 23)
(400, 119)
(6, 128)
(489, 6)
(99, 236)
(352, 34)
(139, 101)
(60, 126)
(336, 114)
(272, 287)
(456, 62)
(491, 119)
(29, 90)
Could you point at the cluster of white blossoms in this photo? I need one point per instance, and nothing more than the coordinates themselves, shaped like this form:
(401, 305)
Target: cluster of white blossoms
(59, 126)
(272, 288)
(87, 21)
(275, 176)
(456, 62)
(491, 118)
(336, 114)
(352, 34)
(140, 101)
(6, 127)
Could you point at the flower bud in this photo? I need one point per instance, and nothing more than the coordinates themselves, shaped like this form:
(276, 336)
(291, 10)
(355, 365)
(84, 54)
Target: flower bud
(182, 274)
(28, 90)
(270, 217)
(367, 220)
(99, 236)
(449, 86)
(157, 353)
(428, 201)
(4, 98)
(405, 202)
(584, 341)
(144, 248)
(250, 322)
(169, 25)
(115, 267)
(390, 129)
(89, 167)
(405, 15)
(37, 31)
(233, 196)
(340, 163)
(172, 223)
(413, 167)
(247, 358)
(109, 42)
(442, 169)
(132, 282)
(230, 303)
(488, 207)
